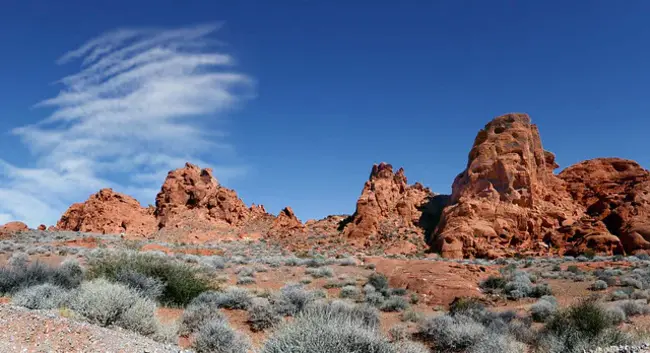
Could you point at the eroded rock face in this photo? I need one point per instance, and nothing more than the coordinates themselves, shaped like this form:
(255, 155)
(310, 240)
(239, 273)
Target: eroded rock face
(11, 228)
(507, 200)
(615, 192)
(386, 203)
(192, 192)
(286, 223)
(109, 212)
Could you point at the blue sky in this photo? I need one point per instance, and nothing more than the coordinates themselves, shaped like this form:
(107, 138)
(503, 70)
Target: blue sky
(301, 97)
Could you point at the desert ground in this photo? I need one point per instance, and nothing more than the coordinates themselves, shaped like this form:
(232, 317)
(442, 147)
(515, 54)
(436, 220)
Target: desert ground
(254, 296)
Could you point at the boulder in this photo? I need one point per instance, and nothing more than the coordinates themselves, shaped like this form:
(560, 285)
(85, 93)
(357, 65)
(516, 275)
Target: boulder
(109, 212)
(11, 228)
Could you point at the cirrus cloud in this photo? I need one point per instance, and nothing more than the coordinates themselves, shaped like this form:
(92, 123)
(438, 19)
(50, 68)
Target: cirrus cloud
(143, 102)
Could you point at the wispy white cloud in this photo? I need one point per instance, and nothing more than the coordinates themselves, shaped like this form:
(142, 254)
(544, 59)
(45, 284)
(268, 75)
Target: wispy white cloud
(141, 104)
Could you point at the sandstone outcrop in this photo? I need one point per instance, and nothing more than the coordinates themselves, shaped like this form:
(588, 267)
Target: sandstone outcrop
(616, 192)
(386, 203)
(191, 206)
(192, 192)
(509, 201)
(286, 223)
(109, 212)
(11, 228)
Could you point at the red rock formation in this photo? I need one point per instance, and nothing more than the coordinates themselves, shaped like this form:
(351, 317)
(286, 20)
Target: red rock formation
(42, 227)
(195, 193)
(286, 223)
(11, 228)
(617, 192)
(386, 203)
(508, 200)
(109, 212)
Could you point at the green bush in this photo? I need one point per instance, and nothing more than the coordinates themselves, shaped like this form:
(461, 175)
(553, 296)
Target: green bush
(379, 281)
(20, 274)
(394, 304)
(182, 282)
(585, 324)
(493, 282)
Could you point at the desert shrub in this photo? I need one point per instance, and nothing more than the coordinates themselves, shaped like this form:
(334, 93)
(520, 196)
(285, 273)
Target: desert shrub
(582, 325)
(350, 292)
(378, 281)
(330, 327)
(398, 332)
(214, 262)
(105, 303)
(292, 261)
(375, 299)
(413, 298)
(41, 296)
(634, 308)
(631, 282)
(540, 290)
(148, 286)
(234, 298)
(640, 294)
(616, 315)
(261, 315)
(332, 283)
(411, 315)
(68, 275)
(542, 310)
(410, 347)
(245, 271)
(493, 283)
(450, 333)
(619, 295)
(307, 280)
(599, 285)
(347, 261)
(573, 269)
(183, 282)
(292, 299)
(216, 336)
(203, 308)
(244, 280)
(20, 274)
(397, 291)
(319, 272)
(370, 266)
(493, 342)
(394, 304)
(463, 305)
(314, 262)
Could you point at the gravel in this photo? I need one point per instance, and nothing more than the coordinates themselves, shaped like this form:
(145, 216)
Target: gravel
(25, 330)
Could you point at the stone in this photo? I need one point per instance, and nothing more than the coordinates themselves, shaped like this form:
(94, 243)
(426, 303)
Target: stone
(108, 212)
(11, 228)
